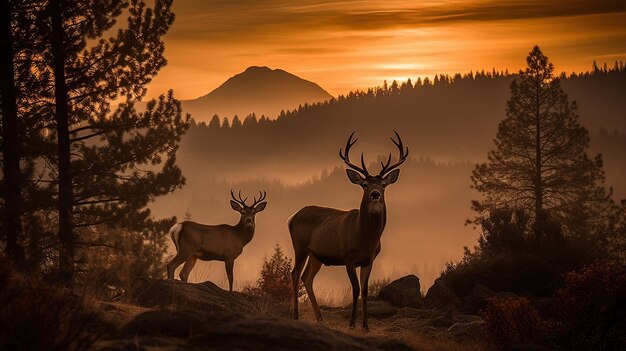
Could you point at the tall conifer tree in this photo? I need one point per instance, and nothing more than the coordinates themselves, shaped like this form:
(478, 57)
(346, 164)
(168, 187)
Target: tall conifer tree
(540, 162)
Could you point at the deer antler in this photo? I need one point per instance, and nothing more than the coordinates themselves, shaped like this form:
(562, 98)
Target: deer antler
(346, 157)
(404, 153)
(261, 198)
(240, 201)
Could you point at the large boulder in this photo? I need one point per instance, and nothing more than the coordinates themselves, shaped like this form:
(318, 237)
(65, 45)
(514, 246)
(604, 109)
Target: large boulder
(403, 292)
(440, 296)
(176, 323)
(148, 292)
(194, 330)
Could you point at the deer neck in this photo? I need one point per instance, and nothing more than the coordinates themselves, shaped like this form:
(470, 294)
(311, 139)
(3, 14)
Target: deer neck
(244, 232)
(372, 219)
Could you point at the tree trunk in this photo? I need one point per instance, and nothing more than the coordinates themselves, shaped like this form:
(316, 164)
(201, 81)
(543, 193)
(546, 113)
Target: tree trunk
(66, 236)
(538, 165)
(12, 227)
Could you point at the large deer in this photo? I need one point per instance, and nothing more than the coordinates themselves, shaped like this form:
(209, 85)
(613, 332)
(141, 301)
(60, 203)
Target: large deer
(344, 238)
(222, 242)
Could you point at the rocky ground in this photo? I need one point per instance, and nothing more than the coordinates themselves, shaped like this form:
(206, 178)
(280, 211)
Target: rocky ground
(172, 315)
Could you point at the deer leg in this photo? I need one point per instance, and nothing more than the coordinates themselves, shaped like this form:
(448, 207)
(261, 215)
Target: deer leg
(296, 273)
(184, 273)
(174, 263)
(355, 291)
(365, 277)
(313, 266)
(229, 272)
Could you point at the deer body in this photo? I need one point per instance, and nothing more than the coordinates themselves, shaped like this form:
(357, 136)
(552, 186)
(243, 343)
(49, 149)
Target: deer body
(222, 242)
(335, 237)
(332, 237)
(213, 242)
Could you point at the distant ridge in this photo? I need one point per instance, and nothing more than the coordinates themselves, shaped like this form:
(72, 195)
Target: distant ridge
(261, 90)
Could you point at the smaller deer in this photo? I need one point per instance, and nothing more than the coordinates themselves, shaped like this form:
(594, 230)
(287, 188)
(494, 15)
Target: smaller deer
(221, 242)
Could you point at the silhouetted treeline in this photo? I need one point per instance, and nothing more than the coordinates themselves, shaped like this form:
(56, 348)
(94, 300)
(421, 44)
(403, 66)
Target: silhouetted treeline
(452, 119)
(407, 86)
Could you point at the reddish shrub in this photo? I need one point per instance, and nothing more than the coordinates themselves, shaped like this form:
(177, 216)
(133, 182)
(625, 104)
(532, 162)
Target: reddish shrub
(513, 321)
(592, 306)
(275, 279)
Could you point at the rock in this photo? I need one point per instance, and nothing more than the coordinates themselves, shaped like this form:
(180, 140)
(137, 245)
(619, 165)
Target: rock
(440, 296)
(466, 331)
(375, 309)
(282, 334)
(527, 347)
(177, 323)
(479, 297)
(403, 292)
(476, 300)
(194, 330)
(482, 291)
(148, 292)
(143, 343)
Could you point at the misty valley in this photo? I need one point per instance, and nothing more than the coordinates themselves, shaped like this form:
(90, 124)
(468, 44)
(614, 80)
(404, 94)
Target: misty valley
(295, 159)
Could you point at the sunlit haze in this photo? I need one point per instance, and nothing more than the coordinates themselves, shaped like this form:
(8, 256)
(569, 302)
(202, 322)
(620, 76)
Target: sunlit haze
(351, 45)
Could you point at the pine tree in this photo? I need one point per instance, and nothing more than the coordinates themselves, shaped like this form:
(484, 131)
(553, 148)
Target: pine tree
(236, 122)
(111, 161)
(215, 122)
(225, 123)
(12, 228)
(539, 162)
(250, 120)
(32, 118)
(58, 42)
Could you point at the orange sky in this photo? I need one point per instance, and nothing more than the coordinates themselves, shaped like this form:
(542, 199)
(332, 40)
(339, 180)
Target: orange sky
(355, 44)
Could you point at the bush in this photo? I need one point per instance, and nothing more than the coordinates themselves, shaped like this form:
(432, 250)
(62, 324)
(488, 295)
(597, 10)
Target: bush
(39, 317)
(275, 280)
(590, 312)
(122, 256)
(512, 256)
(513, 321)
(592, 306)
(504, 230)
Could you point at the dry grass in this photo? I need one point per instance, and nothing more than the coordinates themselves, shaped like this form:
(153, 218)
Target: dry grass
(425, 342)
(403, 329)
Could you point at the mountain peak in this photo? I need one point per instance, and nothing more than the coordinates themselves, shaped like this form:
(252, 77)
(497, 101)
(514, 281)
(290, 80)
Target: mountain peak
(252, 69)
(258, 89)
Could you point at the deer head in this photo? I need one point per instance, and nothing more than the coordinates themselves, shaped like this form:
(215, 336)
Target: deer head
(374, 186)
(248, 212)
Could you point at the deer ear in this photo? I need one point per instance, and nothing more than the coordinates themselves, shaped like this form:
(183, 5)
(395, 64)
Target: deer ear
(355, 177)
(392, 177)
(237, 207)
(260, 207)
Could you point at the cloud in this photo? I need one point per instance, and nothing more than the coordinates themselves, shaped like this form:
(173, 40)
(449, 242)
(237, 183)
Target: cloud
(247, 19)
(355, 44)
